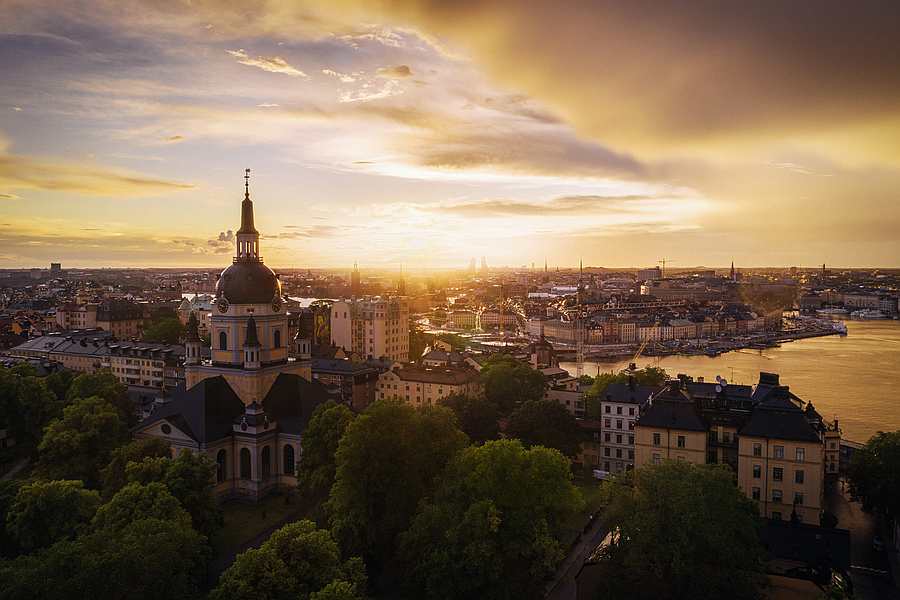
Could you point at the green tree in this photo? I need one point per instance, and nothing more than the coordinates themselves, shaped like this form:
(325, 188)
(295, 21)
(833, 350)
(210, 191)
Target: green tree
(387, 461)
(9, 489)
(491, 529)
(137, 450)
(545, 423)
(296, 563)
(190, 478)
(59, 383)
(684, 531)
(45, 512)
(27, 405)
(148, 559)
(78, 445)
(654, 376)
(164, 330)
(105, 385)
(135, 502)
(509, 383)
(315, 474)
(875, 473)
(477, 416)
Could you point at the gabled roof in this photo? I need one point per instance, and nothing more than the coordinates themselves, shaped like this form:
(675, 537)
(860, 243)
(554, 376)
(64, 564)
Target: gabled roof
(205, 412)
(291, 401)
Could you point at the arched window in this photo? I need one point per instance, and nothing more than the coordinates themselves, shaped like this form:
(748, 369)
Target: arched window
(245, 463)
(221, 466)
(223, 340)
(288, 460)
(278, 338)
(266, 462)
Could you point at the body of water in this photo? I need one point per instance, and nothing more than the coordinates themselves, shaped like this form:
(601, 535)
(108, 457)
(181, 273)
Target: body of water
(854, 378)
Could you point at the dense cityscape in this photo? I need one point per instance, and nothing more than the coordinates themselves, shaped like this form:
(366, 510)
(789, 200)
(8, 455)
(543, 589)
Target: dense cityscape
(413, 300)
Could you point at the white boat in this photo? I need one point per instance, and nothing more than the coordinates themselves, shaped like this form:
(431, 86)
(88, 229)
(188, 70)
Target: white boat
(840, 327)
(832, 312)
(867, 314)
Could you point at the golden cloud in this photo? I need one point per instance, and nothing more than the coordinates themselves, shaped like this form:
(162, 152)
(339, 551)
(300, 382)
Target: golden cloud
(272, 64)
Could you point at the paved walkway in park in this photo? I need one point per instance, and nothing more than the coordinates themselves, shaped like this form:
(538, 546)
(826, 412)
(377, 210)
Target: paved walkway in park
(869, 570)
(16, 469)
(563, 585)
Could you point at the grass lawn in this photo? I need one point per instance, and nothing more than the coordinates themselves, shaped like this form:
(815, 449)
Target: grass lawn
(244, 521)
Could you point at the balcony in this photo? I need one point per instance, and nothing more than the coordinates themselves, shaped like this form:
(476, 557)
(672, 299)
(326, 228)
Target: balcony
(730, 441)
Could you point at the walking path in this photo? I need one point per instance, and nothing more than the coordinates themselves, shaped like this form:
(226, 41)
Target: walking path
(563, 585)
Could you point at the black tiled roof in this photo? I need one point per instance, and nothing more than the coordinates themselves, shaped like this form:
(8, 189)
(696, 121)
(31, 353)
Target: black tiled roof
(291, 401)
(778, 418)
(672, 414)
(205, 412)
(625, 393)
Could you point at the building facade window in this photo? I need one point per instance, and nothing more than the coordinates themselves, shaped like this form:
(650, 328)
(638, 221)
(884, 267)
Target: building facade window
(777, 474)
(757, 449)
(776, 496)
(266, 462)
(618, 423)
(656, 439)
(801, 454)
(246, 471)
(288, 460)
(656, 459)
(607, 423)
(681, 441)
(277, 338)
(757, 471)
(798, 498)
(221, 466)
(223, 340)
(798, 476)
(755, 493)
(779, 451)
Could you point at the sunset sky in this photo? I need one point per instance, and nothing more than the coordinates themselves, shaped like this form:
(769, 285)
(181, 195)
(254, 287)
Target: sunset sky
(427, 133)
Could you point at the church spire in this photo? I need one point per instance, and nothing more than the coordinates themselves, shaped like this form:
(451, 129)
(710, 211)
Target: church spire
(247, 235)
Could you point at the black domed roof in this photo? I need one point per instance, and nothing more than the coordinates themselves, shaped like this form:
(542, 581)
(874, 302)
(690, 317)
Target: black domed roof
(248, 282)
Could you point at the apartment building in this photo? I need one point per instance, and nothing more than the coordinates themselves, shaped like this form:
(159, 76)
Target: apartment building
(619, 409)
(122, 319)
(425, 386)
(780, 448)
(376, 327)
(357, 382)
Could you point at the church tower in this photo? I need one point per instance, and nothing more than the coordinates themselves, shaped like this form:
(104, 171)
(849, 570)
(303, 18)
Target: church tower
(249, 324)
(192, 341)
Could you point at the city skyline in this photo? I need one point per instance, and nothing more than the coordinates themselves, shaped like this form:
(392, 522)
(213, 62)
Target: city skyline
(428, 134)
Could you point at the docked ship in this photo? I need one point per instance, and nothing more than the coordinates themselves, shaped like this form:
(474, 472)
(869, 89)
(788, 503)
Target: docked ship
(867, 314)
(832, 312)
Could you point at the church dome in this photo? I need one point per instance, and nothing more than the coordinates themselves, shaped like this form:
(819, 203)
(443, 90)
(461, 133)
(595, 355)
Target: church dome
(248, 282)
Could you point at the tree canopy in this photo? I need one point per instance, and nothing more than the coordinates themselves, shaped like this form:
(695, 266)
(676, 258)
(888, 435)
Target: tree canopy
(477, 416)
(189, 478)
(545, 423)
(135, 502)
(105, 385)
(78, 445)
(135, 451)
(875, 473)
(684, 531)
(509, 383)
(45, 512)
(491, 529)
(298, 562)
(319, 444)
(387, 461)
(27, 404)
(164, 330)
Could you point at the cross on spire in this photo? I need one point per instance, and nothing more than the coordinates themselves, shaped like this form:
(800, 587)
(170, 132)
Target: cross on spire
(247, 183)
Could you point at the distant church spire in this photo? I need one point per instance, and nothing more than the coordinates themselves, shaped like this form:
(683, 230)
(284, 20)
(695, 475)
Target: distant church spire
(733, 274)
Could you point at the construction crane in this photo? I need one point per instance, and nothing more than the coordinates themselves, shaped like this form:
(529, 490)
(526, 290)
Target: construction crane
(662, 262)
